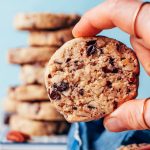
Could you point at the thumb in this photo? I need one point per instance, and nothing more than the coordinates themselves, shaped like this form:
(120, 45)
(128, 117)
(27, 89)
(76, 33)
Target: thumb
(132, 115)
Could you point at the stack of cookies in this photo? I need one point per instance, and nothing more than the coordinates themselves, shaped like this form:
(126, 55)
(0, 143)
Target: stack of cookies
(34, 115)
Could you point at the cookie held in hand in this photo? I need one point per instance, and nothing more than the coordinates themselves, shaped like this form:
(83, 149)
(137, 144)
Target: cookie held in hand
(142, 146)
(87, 78)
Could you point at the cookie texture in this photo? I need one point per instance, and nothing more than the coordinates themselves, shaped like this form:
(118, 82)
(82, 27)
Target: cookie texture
(28, 93)
(30, 55)
(50, 38)
(32, 74)
(44, 21)
(10, 105)
(43, 111)
(143, 146)
(87, 78)
(38, 128)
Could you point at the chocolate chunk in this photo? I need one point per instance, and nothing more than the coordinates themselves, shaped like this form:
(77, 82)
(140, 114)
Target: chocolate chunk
(55, 86)
(90, 50)
(91, 42)
(81, 92)
(128, 90)
(122, 58)
(74, 108)
(101, 51)
(114, 70)
(120, 47)
(132, 80)
(119, 78)
(7, 117)
(107, 70)
(35, 83)
(115, 104)
(90, 107)
(62, 87)
(111, 61)
(68, 59)
(109, 84)
(76, 61)
(76, 85)
(49, 76)
(55, 95)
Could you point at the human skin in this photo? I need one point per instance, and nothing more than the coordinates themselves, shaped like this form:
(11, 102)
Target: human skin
(120, 13)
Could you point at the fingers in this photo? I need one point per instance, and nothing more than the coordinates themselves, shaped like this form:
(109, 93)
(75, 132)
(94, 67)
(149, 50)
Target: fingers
(143, 24)
(117, 13)
(107, 15)
(142, 52)
(129, 116)
(94, 21)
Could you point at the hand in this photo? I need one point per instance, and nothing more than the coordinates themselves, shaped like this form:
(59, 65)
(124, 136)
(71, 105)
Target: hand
(119, 13)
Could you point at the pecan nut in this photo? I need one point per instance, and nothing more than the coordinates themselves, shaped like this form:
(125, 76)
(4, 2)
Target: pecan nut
(16, 136)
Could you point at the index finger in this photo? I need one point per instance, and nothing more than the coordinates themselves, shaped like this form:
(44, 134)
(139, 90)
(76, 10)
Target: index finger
(107, 15)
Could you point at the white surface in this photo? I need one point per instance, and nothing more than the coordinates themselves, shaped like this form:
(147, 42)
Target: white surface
(37, 143)
(33, 147)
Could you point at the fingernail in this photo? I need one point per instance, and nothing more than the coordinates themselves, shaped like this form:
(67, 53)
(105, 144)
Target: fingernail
(145, 147)
(75, 32)
(114, 125)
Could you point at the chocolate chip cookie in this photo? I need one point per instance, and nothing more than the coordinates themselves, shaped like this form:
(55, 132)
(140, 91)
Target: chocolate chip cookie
(44, 21)
(32, 74)
(30, 55)
(43, 111)
(50, 38)
(135, 147)
(10, 105)
(28, 93)
(38, 128)
(87, 78)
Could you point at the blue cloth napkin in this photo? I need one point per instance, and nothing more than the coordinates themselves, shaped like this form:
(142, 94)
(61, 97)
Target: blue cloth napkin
(93, 136)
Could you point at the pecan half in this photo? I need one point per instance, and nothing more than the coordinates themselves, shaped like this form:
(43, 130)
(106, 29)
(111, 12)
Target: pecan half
(16, 136)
